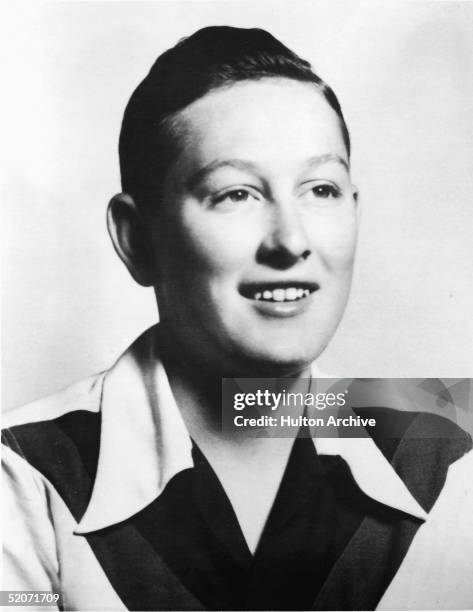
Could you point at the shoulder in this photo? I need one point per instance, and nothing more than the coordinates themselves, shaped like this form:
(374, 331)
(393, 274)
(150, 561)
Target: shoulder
(55, 442)
(423, 448)
(49, 456)
(82, 395)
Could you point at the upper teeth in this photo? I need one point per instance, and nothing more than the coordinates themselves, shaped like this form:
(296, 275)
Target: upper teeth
(282, 295)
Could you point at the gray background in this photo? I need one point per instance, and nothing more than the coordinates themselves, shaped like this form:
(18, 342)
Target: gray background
(404, 74)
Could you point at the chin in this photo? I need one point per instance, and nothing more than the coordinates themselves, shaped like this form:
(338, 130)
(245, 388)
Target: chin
(278, 357)
(281, 345)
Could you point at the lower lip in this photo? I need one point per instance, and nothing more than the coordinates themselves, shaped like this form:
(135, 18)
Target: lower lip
(283, 310)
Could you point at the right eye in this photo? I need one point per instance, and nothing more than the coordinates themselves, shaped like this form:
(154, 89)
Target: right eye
(233, 196)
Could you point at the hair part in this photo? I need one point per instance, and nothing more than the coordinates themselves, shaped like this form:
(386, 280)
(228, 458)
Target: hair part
(211, 58)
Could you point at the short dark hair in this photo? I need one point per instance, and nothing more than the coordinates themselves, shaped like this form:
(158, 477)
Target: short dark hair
(211, 58)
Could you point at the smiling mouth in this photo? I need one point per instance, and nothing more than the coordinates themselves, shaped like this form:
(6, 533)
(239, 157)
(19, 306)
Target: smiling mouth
(291, 291)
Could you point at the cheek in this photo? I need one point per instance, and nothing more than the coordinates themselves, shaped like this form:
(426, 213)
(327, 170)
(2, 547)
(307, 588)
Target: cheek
(335, 241)
(217, 245)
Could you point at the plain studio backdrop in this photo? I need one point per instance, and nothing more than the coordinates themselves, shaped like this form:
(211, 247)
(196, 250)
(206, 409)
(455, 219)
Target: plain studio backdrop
(404, 74)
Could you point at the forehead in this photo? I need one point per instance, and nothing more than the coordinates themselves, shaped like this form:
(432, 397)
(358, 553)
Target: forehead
(273, 120)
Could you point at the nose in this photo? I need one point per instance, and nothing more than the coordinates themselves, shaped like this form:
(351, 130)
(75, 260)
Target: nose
(286, 242)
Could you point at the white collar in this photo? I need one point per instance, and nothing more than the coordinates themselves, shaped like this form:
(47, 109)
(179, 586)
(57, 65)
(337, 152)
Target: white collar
(144, 443)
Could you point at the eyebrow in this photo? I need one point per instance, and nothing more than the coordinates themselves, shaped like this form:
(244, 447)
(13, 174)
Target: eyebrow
(318, 160)
(240, 164)
(202, 173)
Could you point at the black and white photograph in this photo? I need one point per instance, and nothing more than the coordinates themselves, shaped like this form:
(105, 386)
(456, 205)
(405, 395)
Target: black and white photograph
(237, 305)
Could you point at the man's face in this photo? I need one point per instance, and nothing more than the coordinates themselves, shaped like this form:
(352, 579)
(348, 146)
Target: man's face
(253, 260)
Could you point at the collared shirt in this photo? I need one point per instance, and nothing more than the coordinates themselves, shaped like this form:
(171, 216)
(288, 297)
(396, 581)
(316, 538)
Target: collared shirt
(80, 465)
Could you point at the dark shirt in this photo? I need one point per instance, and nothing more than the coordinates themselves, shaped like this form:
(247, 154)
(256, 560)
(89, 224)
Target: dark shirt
(317, 509)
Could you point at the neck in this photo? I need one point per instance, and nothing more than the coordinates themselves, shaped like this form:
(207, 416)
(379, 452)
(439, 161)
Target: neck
(197, 388)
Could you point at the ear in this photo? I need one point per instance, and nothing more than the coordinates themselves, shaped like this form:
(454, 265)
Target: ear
(356, 198)
(130, 240)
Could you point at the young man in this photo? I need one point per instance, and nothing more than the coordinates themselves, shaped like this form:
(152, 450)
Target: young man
(124, 491)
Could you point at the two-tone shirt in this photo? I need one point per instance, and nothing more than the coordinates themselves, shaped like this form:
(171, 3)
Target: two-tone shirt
(108, 502)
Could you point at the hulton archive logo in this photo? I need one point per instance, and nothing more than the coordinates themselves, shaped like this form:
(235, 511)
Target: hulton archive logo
(339, 407)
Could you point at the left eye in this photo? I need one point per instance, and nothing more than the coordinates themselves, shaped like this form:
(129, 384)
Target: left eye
(326, 191)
